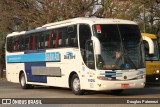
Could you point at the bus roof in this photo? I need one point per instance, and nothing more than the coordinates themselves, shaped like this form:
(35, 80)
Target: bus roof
(152, 36)
(92, 21)
(78, 20)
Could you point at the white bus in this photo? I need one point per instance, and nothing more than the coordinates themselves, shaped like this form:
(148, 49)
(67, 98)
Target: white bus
(81, 53)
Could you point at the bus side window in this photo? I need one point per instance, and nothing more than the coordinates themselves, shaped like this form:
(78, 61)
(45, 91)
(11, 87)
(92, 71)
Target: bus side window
(29, 43)
(49, 39)
(63, 35)
(21, 43)
(9, 44)
(53, 38)
(72, 36)
(57, 39)
(33, 42)
(60, 39)
(16, 44)
(26, 42)
(84, 36)
(40, 40)
(46, 35)
(37, 43)
(89, 58)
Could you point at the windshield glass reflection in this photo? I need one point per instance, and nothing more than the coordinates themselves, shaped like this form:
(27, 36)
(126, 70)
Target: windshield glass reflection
(121, 47)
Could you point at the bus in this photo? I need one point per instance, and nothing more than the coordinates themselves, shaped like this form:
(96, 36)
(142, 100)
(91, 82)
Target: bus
(152, 60)
(81, 53)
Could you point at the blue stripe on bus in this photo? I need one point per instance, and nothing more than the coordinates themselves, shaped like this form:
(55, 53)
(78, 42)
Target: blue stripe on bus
(34, 57)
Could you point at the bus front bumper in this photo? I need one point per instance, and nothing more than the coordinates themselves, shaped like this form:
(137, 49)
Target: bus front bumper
(113, 85)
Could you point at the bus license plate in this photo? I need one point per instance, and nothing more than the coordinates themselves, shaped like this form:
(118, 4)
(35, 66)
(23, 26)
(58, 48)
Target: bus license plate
(124, 85)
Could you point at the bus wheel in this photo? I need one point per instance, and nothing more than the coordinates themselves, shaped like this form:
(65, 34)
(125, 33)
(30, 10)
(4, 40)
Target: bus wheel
(22, 81)
(116, 92)
(75, 85)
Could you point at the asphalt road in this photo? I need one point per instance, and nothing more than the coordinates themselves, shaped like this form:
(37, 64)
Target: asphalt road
(13, 90)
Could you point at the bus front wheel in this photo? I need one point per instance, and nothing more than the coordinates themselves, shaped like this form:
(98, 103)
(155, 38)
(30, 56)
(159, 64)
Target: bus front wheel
(75, 85)
(22, 81)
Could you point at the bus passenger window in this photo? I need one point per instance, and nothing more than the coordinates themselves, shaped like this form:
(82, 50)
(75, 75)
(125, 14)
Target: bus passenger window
(9, 44)
(21, 43)
(84, 35)
(72, 36)
(40, 41)
(29, 43)
(46, 36)
(60, 39)
(16, 45)
(66, 41)
(34, 42)
(26, 43)
(49, 40)
(57, 39)
(63, 35)
(53, 38)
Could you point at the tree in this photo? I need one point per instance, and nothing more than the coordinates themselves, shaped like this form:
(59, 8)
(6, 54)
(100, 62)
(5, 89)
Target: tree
(19, 15)
(145, 12)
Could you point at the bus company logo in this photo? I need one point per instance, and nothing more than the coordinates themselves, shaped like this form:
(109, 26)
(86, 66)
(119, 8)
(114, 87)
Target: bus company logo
(69, 55)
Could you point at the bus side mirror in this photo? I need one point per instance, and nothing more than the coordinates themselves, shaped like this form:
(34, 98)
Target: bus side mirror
(97, 45)
(150, 43)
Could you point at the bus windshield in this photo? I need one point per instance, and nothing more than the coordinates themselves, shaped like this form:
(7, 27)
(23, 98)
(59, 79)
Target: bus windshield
(154, 56)
(121, 47)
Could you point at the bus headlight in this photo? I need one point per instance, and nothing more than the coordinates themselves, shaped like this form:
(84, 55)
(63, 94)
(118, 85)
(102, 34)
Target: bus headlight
(156, 72)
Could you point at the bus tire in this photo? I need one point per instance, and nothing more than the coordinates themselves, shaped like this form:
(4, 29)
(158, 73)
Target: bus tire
(117, 92)
(22, 81)
(75, 85)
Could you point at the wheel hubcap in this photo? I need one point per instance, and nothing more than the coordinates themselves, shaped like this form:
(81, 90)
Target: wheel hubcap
(76, 84)
(22, 81)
